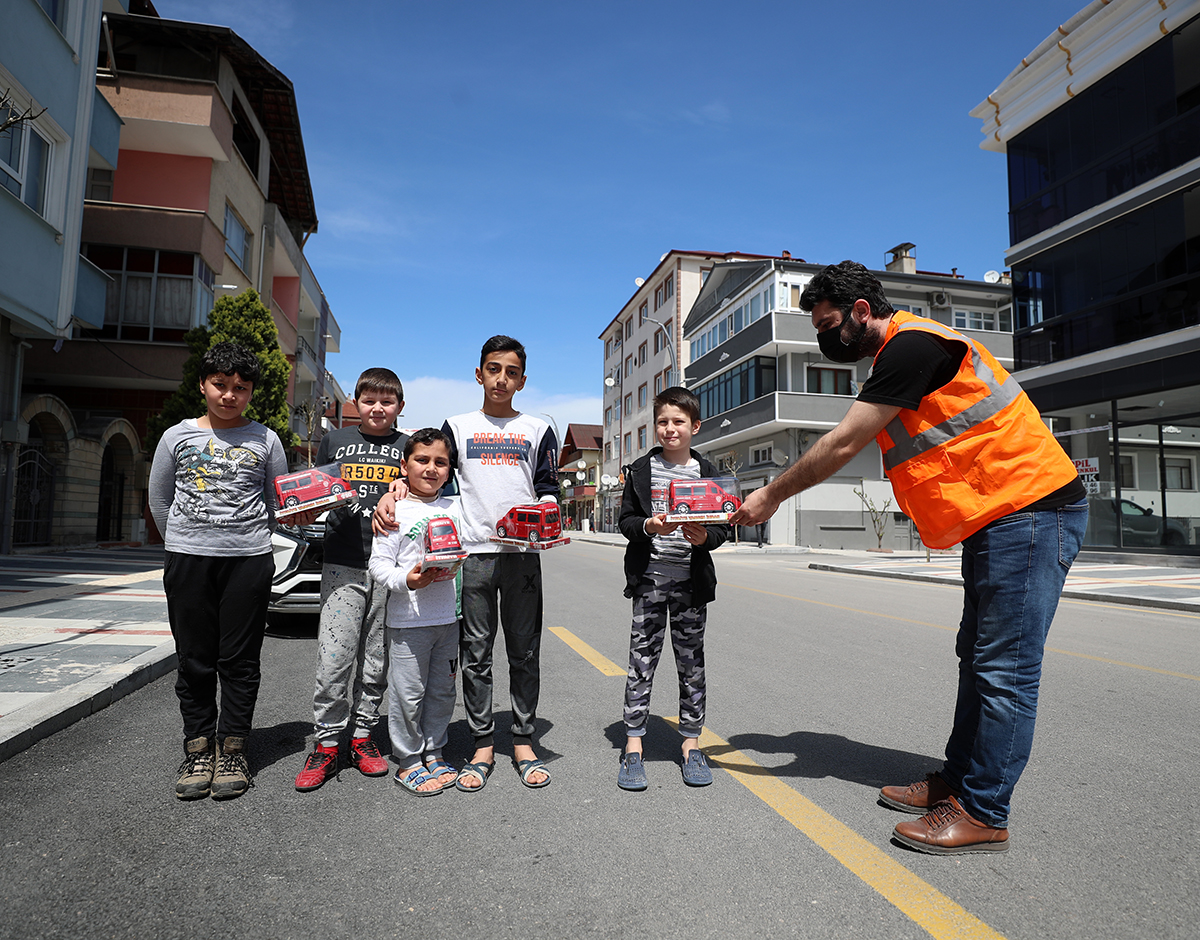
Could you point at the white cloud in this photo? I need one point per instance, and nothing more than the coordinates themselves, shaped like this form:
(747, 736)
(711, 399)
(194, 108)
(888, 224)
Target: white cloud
(429, 401)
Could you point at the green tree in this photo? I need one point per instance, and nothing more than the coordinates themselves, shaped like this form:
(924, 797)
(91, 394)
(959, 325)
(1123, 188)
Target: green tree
(241, 319)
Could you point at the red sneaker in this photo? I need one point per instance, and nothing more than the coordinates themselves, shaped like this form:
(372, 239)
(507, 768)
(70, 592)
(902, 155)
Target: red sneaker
(364, 754)
(319, 767)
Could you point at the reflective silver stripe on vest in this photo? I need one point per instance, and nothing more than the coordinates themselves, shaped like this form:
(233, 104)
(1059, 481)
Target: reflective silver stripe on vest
(1000, 396)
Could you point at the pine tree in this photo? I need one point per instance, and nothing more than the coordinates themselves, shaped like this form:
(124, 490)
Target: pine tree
(242, 319)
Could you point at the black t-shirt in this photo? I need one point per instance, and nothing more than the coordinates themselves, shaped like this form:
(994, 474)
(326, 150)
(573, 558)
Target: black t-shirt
(915, 363)
(370, 462)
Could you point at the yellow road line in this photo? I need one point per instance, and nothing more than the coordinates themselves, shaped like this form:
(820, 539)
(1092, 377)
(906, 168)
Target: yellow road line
(939, 626)
(921, 902)
(597, 659)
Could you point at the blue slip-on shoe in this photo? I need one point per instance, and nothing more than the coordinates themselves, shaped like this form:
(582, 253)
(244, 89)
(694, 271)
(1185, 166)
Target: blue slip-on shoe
(632, 775)
(695, 769)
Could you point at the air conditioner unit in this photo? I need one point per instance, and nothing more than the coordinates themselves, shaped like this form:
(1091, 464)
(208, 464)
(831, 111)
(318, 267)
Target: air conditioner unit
(939, 298)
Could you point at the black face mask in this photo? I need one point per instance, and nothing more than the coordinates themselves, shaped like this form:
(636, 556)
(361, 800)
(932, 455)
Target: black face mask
(833, 349)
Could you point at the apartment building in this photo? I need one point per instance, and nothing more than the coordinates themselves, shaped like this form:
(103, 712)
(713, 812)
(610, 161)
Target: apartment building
(209, 194)
(642, 356)
(767, 394)
(47, 288)
(1100, 125)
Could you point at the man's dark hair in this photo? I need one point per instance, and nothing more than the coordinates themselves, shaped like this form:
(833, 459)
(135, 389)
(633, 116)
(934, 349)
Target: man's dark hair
(230, 359)
(843, 284)
(681, 398)
(502, 343)
(425, 436)
(381, 381)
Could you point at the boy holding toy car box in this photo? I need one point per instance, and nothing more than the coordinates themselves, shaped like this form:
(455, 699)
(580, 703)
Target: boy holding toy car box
(353, 607)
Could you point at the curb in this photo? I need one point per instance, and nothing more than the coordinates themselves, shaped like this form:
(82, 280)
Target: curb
(26, 726)
(1072, 593)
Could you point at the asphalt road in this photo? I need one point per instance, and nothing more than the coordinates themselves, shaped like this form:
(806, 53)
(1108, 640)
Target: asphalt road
(822, 688)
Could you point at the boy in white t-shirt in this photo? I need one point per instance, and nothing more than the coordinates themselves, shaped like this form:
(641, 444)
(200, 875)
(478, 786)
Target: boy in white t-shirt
(422, 621)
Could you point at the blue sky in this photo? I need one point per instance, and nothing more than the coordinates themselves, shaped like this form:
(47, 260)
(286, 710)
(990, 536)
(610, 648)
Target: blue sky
(485, 168)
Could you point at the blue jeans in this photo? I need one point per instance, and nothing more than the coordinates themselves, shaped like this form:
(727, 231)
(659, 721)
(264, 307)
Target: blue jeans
(1013, 574)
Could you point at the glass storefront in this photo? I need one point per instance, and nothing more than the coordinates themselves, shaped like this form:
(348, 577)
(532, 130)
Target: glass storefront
(1142, 477)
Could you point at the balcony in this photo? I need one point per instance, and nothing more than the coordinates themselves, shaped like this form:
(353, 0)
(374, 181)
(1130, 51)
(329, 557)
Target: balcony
(190, 230)
(308, 367)
(772, 412)
(170, 115)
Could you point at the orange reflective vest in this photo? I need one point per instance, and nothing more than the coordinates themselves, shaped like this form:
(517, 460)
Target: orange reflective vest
(973, 451)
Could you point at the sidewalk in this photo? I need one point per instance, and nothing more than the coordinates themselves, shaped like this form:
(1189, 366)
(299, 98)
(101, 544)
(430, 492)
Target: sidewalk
(78, 630)
(81, 629)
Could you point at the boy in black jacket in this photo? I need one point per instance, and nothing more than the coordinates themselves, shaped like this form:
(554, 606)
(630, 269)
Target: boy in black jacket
(668, 572)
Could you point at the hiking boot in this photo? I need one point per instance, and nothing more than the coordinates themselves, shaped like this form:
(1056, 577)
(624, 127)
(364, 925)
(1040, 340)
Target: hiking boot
(232, 776)
(320, 765)
(196, 771)
(364, 754)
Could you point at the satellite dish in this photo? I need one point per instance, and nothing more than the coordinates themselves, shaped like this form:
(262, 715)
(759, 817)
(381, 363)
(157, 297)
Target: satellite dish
(609, 381)
(992, 277)
(607, 480)
(639, 281)
(580, 475)
(581, 464)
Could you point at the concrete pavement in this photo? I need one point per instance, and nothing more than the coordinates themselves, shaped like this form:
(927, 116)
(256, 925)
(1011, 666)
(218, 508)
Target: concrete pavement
(80, 629)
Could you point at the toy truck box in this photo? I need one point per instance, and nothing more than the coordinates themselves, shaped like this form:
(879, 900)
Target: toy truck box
(531, 525)
(315, 488)
(710, 499)
(443, 550)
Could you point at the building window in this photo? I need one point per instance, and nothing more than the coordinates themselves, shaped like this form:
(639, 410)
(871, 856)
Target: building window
(704, 273)
(608, 450)
(607, 348)
(628, 366)
(668, 378)
(1128, 477)
(237, 239)
(25, 161)
(629, 328)
(628, 442)
(643, 355)
(669, 288)
(607, 416)
(154, 296)
(629, 405)
(976, 320)
(99, 184)
(826, 381)
(1177, 472)
(617, 410)
(659, 341)
(761, 454)
(743, 383)
(642, 437)
(642, 395)
(57, 11)
(658, 382)
(643, 312)
(617, 340)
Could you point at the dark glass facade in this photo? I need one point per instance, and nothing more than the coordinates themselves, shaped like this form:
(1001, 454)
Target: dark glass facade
(745, 382)
(1136, 123)
(1133, 277)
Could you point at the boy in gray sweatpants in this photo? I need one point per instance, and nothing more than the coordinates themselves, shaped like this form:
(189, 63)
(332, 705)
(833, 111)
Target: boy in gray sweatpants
(350, 644)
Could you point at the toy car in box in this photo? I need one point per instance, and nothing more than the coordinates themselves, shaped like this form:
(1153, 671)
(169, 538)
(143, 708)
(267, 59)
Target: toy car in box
(535, 525)
(711, 499)
(443, 550)
(314, 488)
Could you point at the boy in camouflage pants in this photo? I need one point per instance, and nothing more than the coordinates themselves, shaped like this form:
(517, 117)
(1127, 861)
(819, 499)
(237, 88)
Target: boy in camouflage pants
(670, 575)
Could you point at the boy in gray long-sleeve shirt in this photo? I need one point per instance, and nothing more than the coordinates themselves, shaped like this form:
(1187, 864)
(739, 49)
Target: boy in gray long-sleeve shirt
(212, 496)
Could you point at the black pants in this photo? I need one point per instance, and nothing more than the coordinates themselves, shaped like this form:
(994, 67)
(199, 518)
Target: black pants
(218, 612)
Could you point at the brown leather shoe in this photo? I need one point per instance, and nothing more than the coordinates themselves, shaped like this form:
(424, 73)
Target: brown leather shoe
(917, 797)
(948, 829)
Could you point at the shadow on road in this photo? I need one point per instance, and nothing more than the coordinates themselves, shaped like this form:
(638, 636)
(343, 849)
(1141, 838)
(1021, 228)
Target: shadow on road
(816, 755)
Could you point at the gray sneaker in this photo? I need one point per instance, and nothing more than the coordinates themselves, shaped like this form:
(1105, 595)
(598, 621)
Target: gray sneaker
(695, 769)
(196, 771)
(632, 775)
(232, 776)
